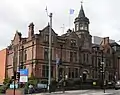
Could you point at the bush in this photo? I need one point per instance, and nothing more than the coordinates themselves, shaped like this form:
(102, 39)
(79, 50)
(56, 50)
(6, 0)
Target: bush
(3, 88)
(6, 81)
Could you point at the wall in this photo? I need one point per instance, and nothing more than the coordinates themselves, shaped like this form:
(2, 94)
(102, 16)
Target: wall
(3, 57)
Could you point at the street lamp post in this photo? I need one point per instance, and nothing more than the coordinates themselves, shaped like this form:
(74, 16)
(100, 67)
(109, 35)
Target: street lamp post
(81, 81)
(50, 58)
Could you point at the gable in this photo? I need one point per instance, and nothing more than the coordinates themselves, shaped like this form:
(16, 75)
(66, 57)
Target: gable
(17, 38)
(46, 31)
(106, 45)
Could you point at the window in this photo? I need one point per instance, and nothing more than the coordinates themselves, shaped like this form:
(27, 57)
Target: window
(110, 63)
(69, 74)
(72, 74)
(46, 54)
(87, 58)
(76, 72)
(99, 62)
(71, 56)
(86, 27)
(84, 57)
(107, 62)
(73, 42)
(46, 38)
(75, 56)
(52, 39)
(93, 60)
(25, 55)
(77, 27)
(45, 71)
(81, 26)
(20, 56)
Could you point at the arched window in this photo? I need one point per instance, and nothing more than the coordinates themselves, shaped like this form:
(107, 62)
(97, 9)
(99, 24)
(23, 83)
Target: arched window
(81, 27)
(77, 27)
(86, 27)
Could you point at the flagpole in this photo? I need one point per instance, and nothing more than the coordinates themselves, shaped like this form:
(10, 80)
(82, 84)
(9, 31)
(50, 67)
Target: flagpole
(69, 21)
(71, 11)
(63, 27)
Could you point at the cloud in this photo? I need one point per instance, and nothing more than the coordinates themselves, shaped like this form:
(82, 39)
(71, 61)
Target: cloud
(17, 14)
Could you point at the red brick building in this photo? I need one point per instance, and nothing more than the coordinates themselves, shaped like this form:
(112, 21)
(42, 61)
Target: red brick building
(3, 62)
(74, 49)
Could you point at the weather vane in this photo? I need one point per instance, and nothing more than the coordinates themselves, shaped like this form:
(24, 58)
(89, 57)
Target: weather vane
(81, 1)
(46, 10)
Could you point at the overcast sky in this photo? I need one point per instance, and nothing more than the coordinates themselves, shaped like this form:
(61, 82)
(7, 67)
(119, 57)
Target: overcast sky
(104, 16)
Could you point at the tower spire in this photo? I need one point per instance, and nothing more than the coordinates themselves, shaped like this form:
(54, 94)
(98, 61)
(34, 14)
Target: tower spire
(81, 12)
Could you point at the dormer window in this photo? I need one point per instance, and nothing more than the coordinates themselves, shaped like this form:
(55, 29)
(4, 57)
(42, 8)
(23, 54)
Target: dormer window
(73, 42)
(46, 38)
(52, 39)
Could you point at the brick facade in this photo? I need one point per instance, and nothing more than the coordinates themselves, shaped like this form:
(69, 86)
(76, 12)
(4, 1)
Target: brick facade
(3, 58)
(74, 48)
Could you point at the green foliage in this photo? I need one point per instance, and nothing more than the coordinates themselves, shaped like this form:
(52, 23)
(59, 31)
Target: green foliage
(32, 77)
(26, 86)
(6, 80)
(3, 88)
(33, 82)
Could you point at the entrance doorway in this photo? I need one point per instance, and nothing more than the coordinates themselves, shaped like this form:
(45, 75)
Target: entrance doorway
(85, 75)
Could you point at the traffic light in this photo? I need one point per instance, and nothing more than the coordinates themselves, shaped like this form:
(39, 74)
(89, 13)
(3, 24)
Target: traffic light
(18, 75)
(21, 66)
(102, 67)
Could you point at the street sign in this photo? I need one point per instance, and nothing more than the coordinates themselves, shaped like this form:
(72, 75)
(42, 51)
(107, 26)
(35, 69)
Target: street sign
(23, 78)
(24, 72)
(23, 75)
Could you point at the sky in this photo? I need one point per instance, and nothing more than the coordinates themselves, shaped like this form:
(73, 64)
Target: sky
(16, 15)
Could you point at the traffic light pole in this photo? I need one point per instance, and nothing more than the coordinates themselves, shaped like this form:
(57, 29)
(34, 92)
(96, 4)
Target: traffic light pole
(103, 72)
(14, 82)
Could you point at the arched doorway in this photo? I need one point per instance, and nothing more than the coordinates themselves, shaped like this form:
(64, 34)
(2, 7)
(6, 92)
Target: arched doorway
(85, 75)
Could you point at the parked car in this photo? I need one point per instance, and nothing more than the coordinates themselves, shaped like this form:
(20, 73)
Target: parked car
(117, 85)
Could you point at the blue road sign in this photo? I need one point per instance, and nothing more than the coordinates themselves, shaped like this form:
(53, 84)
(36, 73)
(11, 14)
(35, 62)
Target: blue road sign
(24, 72)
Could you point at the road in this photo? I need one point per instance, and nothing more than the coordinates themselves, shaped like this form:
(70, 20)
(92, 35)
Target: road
(84, 92)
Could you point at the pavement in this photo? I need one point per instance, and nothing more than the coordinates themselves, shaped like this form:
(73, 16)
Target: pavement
(83, 92)
(80, 92)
